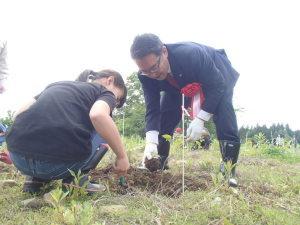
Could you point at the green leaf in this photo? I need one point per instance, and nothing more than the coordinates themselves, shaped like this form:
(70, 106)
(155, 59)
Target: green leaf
(167, 137)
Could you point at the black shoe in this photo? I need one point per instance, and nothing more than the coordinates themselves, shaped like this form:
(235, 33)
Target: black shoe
(232, 182)
(230, 152)
(231, 176)
(34, 185)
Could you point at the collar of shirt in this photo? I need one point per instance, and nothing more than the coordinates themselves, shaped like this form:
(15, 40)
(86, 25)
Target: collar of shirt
(170, 71)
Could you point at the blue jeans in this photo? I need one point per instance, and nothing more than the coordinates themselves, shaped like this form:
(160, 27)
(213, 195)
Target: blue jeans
(51, 170)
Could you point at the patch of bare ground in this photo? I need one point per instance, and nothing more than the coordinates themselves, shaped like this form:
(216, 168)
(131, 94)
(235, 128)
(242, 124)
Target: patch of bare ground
(160, 182)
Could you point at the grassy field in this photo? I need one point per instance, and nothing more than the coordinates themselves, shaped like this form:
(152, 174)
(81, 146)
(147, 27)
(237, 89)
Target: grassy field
(268, 193)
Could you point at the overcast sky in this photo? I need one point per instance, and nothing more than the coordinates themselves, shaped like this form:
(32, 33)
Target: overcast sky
(56, 40)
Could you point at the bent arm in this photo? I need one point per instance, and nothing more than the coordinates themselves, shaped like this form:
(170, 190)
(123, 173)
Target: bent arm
(105, 126)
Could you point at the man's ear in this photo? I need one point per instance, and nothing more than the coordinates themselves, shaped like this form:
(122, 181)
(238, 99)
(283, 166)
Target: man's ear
(165, 51)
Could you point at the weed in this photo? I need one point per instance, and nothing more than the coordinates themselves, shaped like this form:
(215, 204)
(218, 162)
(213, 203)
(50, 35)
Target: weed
(78, 213)
(56, 198)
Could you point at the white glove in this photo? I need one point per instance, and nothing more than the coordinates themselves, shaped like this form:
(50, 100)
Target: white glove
(151, 146)
(150, 151)
(196, 130)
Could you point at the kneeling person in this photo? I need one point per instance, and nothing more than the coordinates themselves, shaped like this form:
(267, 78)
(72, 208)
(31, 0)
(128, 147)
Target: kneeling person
(55, 132)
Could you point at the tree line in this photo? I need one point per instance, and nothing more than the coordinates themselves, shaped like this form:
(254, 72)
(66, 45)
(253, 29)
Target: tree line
(270, 133)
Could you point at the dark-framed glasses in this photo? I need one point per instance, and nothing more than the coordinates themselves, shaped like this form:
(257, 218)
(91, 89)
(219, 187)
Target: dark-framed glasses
(153, 69)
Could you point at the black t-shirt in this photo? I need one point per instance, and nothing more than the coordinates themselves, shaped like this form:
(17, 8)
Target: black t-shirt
(57, 126)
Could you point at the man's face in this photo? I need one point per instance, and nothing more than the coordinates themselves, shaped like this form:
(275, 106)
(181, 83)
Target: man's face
(153, 66)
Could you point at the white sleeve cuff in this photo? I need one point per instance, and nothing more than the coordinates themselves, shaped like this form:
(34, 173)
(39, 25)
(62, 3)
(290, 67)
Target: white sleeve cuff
(152, 136)
(204, 115)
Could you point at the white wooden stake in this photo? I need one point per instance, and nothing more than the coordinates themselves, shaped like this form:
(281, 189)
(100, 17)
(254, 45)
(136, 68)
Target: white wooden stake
(123, 123)
(183, 142)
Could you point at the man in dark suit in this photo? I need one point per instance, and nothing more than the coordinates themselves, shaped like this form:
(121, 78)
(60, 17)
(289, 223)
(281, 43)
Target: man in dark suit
(164, 69)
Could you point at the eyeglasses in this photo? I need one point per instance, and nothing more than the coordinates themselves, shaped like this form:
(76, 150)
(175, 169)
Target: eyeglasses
(153, 69)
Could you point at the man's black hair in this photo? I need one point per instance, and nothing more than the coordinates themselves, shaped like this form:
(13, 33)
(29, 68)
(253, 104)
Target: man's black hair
(145, 44)
(118, 80)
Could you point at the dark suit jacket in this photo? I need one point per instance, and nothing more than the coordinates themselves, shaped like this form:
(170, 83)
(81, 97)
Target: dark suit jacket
(190, 62)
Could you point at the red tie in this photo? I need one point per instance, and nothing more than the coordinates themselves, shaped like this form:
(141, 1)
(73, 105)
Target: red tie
(172, 81)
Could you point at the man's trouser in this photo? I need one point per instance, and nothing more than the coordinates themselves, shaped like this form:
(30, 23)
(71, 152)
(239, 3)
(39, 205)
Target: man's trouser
(170, 105)
(227, 130)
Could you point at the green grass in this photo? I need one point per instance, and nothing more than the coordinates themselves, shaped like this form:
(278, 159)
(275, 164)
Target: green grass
(268, 193)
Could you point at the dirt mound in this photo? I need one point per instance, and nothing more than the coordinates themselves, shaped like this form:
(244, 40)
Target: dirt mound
(152, 164)
(160, 182)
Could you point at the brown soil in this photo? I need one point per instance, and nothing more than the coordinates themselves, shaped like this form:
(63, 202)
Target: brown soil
(152, 164)
(160, 182)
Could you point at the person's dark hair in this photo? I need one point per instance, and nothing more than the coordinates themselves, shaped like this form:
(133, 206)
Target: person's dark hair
(145, 44)
(88, 75)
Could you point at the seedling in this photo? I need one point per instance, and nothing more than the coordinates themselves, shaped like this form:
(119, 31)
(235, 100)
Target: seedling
(56, 198)
(78, 186)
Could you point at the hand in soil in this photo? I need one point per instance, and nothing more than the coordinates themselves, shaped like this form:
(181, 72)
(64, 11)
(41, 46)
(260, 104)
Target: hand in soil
(121, 165)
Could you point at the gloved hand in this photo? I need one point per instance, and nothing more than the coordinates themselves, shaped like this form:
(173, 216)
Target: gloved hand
(196, 130)
(149, 152)
(151, 146)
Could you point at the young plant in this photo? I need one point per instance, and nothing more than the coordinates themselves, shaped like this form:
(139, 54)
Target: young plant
(217, 179)
(79, 214)
(56, 198)
(78, 186)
